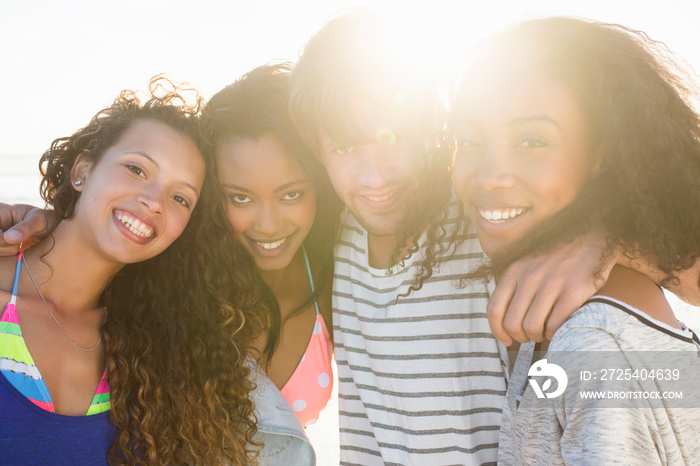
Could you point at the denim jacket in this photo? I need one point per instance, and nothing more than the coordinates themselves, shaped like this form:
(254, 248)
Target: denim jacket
(279, 429)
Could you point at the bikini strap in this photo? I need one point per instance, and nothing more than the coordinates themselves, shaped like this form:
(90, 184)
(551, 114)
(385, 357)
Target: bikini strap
(13, 300)
(311, 279)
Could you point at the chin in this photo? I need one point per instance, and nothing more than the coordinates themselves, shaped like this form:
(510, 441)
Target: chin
(491, 248)
(272, 264)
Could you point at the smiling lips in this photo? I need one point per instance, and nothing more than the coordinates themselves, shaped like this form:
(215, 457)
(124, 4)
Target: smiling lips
(134, 225)
(380, 198)
(271, 245)
(500, 215)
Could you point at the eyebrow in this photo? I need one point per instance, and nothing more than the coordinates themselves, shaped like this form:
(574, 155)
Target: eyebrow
(517, 121)
(293, 183)
(534, 119)
(278, 189)
(146, 156)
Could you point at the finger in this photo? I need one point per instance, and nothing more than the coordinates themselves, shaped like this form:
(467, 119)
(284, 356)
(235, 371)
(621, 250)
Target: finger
(498, 304)
(567, 303)
(14, 236)
(537, 316)
(22, 234)
(8, 248)
(11, 214)
(518, 308)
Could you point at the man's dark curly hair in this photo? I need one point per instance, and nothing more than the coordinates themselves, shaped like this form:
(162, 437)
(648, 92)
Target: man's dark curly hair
(638, 101)
(179, 324)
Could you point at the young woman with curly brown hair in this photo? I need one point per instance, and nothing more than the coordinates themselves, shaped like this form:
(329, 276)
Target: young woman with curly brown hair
(140, 291)
(565, 127)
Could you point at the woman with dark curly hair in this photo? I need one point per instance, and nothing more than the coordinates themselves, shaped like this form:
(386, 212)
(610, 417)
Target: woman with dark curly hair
(565, 127)
(126, 333)
(285, 213)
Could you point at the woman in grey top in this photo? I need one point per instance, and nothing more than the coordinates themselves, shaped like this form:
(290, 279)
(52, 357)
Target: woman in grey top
(576, 127)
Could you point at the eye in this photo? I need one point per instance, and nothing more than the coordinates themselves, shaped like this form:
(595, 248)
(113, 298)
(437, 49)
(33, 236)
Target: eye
(344, 150)
(182, 201)
(532, 143)
(137, 170)
(469, 144)
(239, 199)
(292, 196)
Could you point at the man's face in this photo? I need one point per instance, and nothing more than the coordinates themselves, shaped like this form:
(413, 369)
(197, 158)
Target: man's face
(377, 178)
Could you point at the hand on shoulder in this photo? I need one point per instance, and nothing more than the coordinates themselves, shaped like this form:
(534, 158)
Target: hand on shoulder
(22, 224)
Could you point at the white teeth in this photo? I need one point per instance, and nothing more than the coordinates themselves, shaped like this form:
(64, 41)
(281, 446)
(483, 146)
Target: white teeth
(135, 225)
(379, 199)
(499, 216)
(274, 245)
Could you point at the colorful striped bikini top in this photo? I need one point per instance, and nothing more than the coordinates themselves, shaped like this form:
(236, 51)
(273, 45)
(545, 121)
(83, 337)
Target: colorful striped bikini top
(310, 386)
(18, 367)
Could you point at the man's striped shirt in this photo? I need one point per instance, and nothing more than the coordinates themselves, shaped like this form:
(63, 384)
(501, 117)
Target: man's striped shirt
(421, 378)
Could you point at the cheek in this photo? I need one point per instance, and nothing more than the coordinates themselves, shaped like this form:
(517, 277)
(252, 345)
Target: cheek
(559, 188)
(177, 225)
(461, 176)
(340, 172)
(240, 221)
(307, 213)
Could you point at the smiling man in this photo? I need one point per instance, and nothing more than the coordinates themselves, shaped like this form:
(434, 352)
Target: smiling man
(421, 377)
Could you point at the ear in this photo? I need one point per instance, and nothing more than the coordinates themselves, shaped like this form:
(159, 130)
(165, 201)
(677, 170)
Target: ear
(80, 171)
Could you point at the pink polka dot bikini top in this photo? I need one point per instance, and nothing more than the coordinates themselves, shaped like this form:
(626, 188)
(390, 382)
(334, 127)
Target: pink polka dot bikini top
(309, 388)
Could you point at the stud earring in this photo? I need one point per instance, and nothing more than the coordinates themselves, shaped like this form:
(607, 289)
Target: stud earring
(78, 182)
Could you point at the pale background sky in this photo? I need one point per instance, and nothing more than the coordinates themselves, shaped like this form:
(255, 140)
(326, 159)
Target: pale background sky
(62, 61)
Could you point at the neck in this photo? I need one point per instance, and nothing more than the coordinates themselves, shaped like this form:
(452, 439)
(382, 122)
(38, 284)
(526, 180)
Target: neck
(69, 274)
(382, 250)
(687, 285)
(289, 283)
(639, 291)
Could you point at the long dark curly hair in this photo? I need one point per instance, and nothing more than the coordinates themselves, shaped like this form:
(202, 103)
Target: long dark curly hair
(348, 65)
(255, 105)
(638, 100)
(179, 324)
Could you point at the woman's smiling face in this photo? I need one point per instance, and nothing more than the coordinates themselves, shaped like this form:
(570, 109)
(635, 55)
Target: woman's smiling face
(271, 200)
(523, 154)
(138, 197)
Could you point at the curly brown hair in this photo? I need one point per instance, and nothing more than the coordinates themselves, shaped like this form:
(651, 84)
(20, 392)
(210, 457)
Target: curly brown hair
(638, 100)
(180, 323)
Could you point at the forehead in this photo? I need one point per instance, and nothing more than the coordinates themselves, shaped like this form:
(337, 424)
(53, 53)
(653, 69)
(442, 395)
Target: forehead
(175, 155)
(371, 121)
(511, 97)
(265, 157)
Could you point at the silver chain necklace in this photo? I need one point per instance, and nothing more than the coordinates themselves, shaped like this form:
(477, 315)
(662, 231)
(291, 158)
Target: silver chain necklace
(54, 318)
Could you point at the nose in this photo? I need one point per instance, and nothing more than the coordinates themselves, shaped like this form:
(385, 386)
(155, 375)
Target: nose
(494, 169)
(268, 219)
(375, 166)
(152, 199)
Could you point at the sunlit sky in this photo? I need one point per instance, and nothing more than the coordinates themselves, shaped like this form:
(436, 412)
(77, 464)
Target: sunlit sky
(62, 61)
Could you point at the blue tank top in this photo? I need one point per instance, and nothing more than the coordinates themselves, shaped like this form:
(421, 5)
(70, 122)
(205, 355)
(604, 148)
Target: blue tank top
(31, 435)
